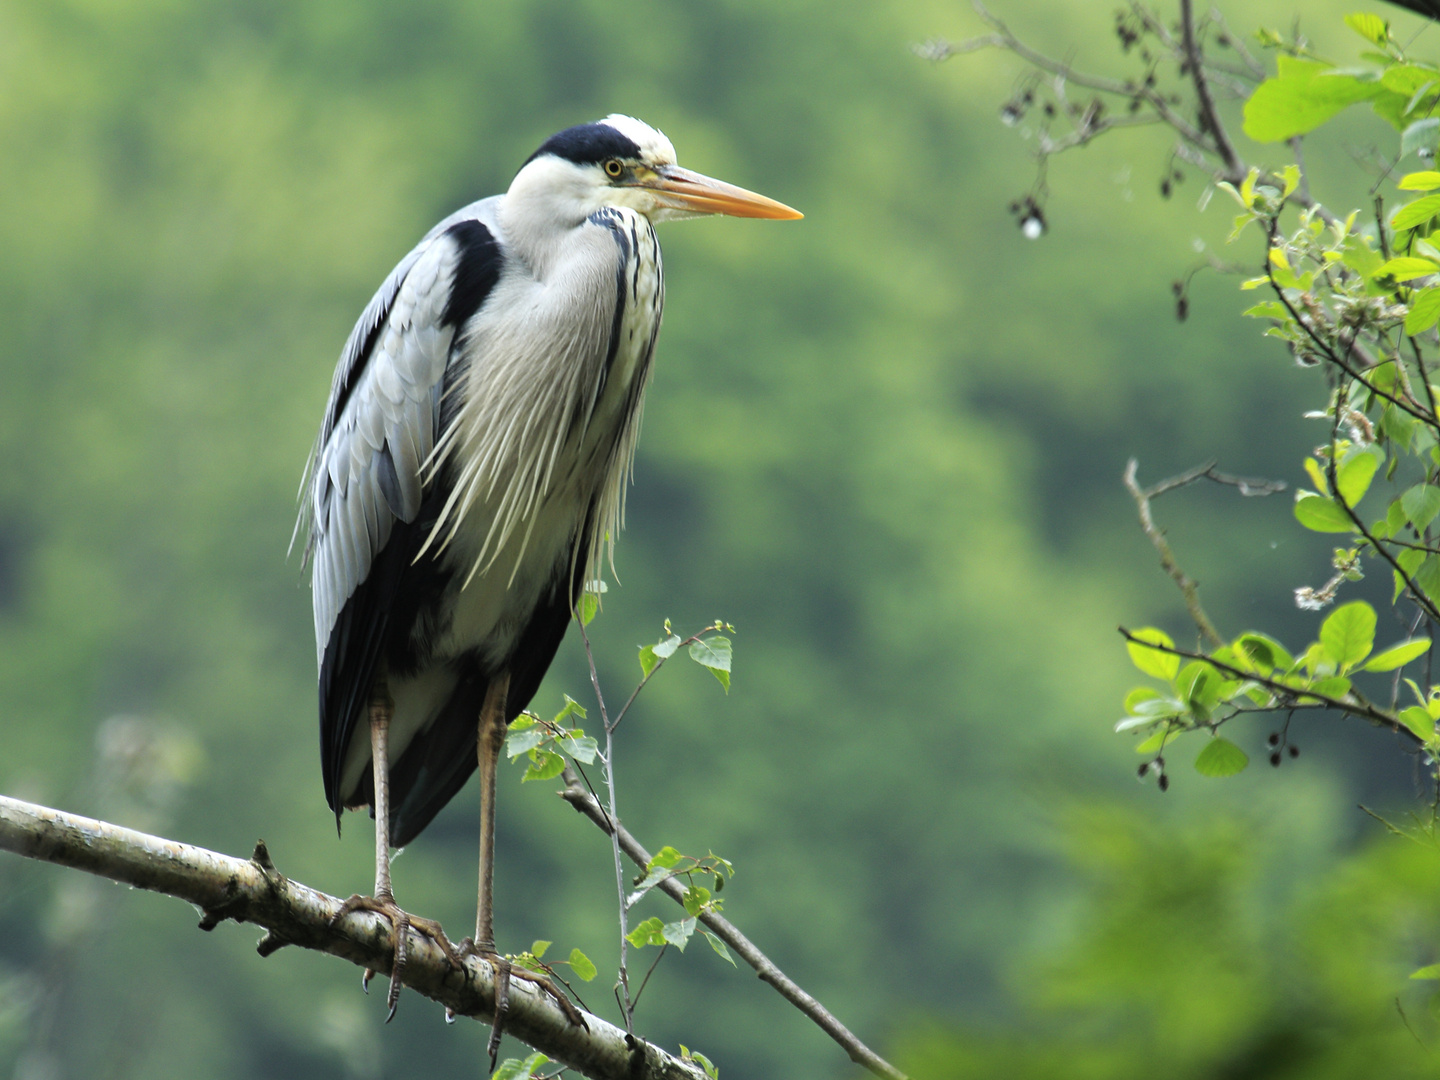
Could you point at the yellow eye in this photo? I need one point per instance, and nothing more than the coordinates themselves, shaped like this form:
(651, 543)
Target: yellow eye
(613, 168)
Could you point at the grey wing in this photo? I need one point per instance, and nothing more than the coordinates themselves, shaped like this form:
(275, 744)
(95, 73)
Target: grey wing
(380, 426)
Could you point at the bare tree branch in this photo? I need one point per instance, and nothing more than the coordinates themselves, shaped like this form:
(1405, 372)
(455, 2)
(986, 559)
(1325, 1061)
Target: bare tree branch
(1209, 120)
(576, 795)
(253, 891)
(1189, 589)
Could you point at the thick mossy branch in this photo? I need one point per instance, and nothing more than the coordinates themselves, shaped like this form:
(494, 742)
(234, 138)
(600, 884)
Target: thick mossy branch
(252, 890)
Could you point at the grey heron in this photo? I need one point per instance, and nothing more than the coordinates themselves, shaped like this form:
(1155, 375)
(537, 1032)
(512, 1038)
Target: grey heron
(470, 474)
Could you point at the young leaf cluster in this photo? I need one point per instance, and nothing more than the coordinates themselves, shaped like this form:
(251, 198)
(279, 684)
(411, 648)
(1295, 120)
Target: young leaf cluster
(698, 899)
(707, 647)
(583, 967)
(547, 743)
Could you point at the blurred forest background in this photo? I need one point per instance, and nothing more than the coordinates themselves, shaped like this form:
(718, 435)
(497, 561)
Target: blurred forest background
(885, 442)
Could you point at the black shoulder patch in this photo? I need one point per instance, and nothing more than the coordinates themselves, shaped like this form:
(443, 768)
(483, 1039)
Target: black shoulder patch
(476, 274)
(588, 144)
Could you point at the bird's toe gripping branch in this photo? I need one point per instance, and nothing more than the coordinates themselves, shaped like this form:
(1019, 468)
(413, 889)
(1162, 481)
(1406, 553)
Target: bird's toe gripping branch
(401, 923)
(504, 971)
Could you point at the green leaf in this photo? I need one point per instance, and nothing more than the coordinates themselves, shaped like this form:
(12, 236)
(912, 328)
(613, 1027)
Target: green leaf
(1155, 743)
(678, 933)
(1150, 710)
(1360, 256)
(1138, 695)
(1291, 176)
(1394, 517)
(1198, 685)
(1421, 503)
(651, 655)
(665, 858)
(1427, 577)
(1431, 972)
(1263, 651)
(1161, 665)
(1319, 514)
(694, 898)
(1398, 655)
(1408, 267)
(1267, 309)
(1419, 721)
(583, 748)
(1302, 96)
(719, 947)
(1409, 560)
(714, 653)
(1372, 28)
(1332, 686)
(545, 765)
(1420, 181)
(1424, 311)
(1356, 471)
(589, 604)
(523, 741)
(571, 708)
(648, 882)
(1221, 757)
(1407, 217)
(537, 948)
(686, 1054)
(1349, 633)
(515, 1069)
(649, 932)
(582, 965)
(1421, 135)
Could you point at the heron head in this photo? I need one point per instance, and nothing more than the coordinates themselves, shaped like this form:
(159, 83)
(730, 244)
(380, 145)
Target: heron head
(621, 161)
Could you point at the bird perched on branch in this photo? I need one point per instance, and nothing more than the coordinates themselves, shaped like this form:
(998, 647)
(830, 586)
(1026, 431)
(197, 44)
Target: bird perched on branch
(470, 475)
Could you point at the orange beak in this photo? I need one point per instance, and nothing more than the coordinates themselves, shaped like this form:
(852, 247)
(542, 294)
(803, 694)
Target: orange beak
(701, 194)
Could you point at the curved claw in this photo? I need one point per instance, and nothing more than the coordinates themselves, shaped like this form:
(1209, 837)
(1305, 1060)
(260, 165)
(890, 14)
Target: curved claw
(504, 970)
(401, 923)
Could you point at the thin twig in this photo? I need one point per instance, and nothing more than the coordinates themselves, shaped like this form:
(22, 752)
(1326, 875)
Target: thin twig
(1422, 600)
(723, 929)
(654, 964)
(1194, 144)
(1209, 119)
(626, 1007)
(1238, 44)
(1187, 585)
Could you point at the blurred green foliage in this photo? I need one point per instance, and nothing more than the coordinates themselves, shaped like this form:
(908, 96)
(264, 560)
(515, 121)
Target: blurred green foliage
(883, 443)
(1191, 958)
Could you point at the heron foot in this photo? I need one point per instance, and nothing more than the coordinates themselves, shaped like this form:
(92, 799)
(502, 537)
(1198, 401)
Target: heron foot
(401, 923)
(504, 971)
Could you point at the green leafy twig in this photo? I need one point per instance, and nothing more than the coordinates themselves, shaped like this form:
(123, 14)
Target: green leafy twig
(1209, 119)
(1286, 695)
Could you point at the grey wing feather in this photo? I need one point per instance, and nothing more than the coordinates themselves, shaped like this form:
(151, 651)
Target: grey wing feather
(365, 472)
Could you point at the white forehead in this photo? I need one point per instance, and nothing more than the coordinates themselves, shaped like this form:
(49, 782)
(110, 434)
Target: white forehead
(655, 148)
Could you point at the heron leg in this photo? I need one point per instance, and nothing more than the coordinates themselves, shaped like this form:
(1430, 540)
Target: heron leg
(491, 739)
(383, 902)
